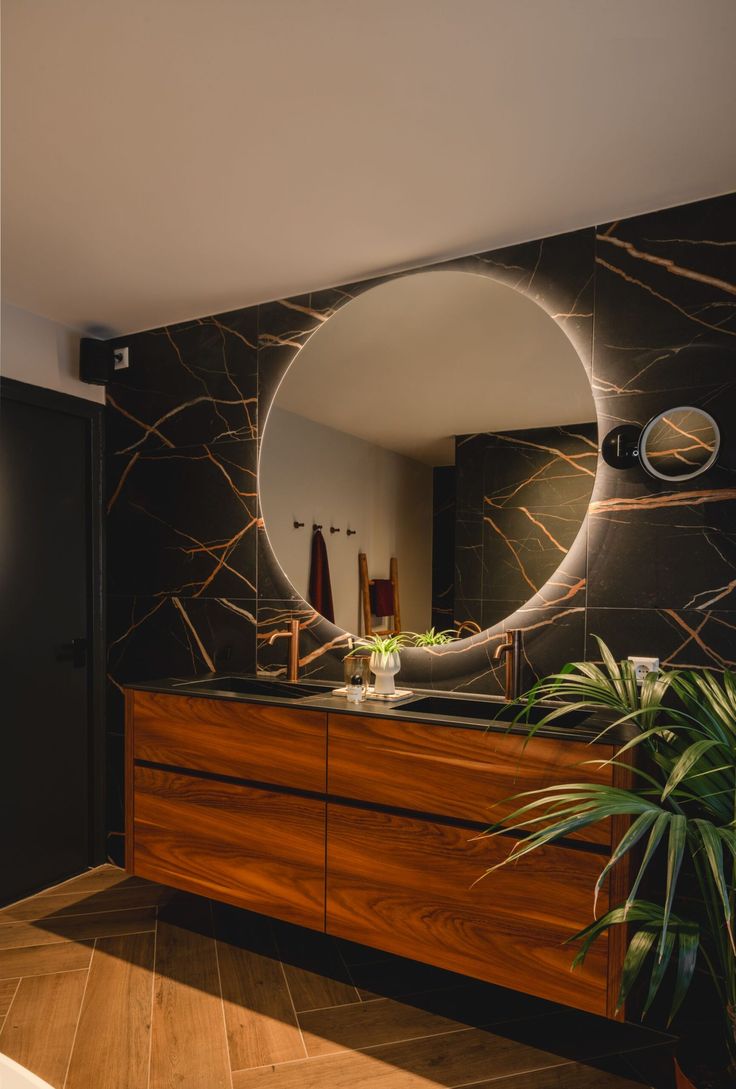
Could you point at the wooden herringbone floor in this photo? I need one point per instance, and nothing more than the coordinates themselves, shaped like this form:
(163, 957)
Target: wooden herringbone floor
(110, 982)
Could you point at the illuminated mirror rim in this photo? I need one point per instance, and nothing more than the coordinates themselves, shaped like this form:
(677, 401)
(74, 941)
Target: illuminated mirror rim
(462, 641)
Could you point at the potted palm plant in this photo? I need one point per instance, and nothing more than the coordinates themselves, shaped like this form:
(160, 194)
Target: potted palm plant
(682, 811)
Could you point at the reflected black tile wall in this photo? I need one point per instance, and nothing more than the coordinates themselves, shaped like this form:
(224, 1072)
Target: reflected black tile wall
(533, 490)
(194, 588)
(443, 546)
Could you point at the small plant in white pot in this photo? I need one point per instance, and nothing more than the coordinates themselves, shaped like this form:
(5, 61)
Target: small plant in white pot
(385, 659)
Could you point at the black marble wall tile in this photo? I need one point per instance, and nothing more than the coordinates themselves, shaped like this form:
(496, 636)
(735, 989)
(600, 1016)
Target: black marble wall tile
(284, 327)
(150, 637)
(680, 638)
(666, 335)
(187, 384)
(184, 521)
(469, 455)
(443, 546)
(468, 558)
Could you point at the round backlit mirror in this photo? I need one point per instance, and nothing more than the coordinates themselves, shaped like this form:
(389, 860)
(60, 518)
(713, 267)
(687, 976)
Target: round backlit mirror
(680, 443)
(441, 430)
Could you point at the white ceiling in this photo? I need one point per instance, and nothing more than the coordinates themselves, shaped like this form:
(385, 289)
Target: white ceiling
(411, 363)
(165, 159)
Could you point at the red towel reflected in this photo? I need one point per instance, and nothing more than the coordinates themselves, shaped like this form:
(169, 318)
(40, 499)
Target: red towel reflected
(320, 590)
(382, 597)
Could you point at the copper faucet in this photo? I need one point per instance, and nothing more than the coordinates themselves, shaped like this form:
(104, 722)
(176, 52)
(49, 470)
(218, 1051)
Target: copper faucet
(292, 673)
(511, 650)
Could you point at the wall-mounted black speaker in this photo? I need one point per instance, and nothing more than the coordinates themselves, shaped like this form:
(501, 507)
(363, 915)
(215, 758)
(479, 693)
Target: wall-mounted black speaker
(98, 359)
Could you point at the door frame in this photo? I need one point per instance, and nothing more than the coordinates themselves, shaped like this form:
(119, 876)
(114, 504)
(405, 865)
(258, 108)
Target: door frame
(92, 414)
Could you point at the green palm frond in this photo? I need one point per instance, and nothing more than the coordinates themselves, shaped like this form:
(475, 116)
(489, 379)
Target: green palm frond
(681, 814)
(644, 947)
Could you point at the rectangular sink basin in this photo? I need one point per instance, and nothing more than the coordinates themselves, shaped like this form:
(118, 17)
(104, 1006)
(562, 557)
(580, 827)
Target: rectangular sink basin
(252, 686)
(487, 712)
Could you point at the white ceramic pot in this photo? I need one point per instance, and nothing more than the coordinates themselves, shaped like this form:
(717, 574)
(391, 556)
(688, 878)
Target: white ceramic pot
(385, 667)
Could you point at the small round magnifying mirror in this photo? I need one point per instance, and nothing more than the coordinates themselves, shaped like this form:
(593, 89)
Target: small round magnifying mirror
(680, 443)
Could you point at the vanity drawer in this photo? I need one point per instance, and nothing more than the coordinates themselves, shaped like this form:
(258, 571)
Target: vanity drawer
(407, 886)
(268, 744)
(258, 849)
(451, 771)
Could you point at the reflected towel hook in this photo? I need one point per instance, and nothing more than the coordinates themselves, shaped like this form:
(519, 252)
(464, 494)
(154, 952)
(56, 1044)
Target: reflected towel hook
(351, 532)
(316, 526)
(298, 525)
(333, 530)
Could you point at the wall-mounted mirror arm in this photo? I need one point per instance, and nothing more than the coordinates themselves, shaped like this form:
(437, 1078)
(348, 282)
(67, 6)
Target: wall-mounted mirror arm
(677, 444)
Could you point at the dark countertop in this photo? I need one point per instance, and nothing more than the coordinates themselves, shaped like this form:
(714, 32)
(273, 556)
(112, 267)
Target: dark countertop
(587, 731)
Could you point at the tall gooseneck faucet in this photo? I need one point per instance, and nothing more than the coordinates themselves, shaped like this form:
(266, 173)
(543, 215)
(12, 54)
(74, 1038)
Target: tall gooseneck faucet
(292, 673)
(511, 650)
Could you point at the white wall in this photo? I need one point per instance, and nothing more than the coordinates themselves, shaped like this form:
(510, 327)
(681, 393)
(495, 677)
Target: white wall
(43, 353)
(314, 473)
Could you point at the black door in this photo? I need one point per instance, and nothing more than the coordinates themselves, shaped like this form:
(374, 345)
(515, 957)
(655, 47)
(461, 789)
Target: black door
(45, 616)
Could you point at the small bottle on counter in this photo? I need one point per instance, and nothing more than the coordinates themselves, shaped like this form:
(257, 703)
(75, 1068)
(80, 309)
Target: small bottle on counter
(356, 688)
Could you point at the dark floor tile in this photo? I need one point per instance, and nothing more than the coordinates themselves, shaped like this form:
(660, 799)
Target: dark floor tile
(567, 1076)
(315, 971)
(576, 1036)
(398, 976)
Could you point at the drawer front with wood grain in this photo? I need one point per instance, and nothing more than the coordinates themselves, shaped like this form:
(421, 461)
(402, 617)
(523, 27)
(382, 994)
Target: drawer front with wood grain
(407, 886)
(268, 744)
(258, 849)
(451, 771)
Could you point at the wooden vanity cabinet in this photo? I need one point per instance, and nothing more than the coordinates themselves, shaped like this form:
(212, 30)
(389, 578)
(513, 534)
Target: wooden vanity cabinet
(262, 742)
(403, 876)
(368, 828)
(451, 771)
(408, 886)
(226, 799)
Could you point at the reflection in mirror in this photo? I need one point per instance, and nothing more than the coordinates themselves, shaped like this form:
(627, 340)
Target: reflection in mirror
(680, 443)
(447, 420)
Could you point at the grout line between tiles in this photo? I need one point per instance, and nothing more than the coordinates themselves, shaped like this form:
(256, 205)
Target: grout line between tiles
(153, 995)
(454, 1032)
(10, 1004)
(344, 1005)
(222, 997)
(66, 881)
(72, 915)
(79, 1015)
(74, 941)
(350, 975)
(291, 1000)
(353, 1050)
(565, 1062)
(39, 975)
